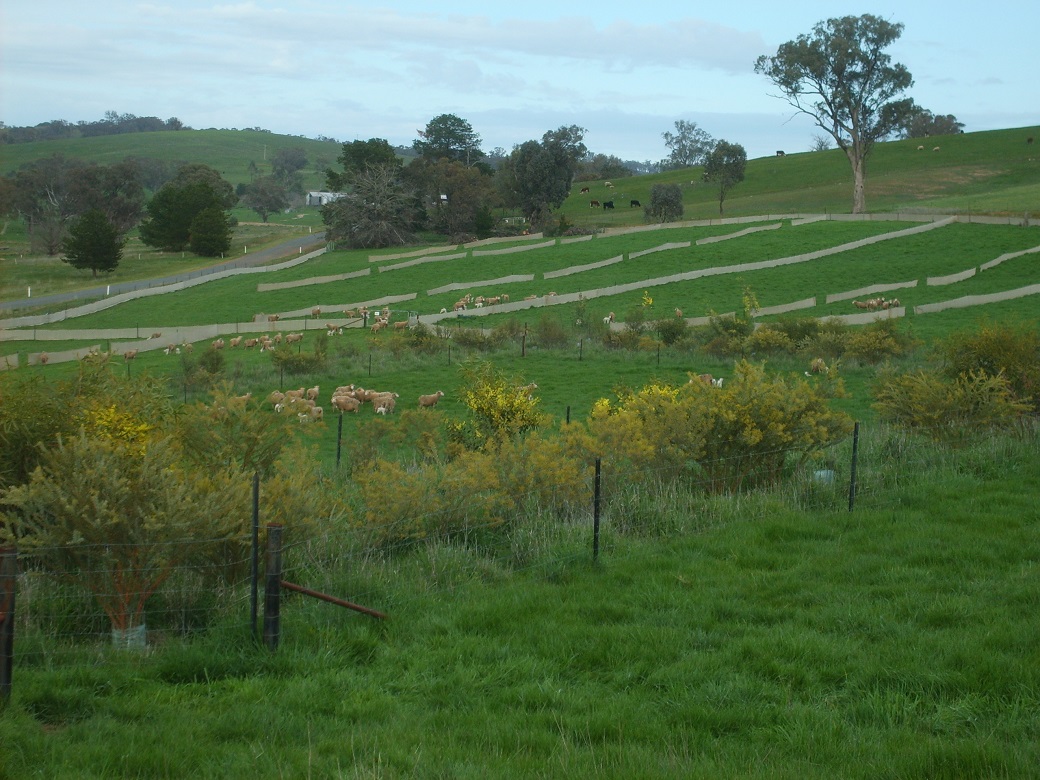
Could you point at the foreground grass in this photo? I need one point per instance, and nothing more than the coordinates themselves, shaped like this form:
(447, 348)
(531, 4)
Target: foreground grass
(736, 638)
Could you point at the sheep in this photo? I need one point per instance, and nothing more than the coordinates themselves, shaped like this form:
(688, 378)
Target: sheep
(312, 392)
(187, 346)
(170, 349)
(294, 394)
(276, 397)
(292, 338)
(345, 403)
(317, 413)
(429, 401)
(818, 366)
(920, 148)
(273, 317)
(935, 148)
(401, 325)
(528, 391)
(385, 404)
(43, 358)
(316, 312)
(130, 354)
(235, 341)
(678, 313)
(218, 344)
(156, 335)
(608, 319)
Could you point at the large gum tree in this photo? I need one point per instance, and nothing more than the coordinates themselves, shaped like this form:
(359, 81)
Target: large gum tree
(841, 77)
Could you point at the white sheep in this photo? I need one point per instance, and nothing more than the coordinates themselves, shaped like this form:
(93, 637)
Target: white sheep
(427, 401)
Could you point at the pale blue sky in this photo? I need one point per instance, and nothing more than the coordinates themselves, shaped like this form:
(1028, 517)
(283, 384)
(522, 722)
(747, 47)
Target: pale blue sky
(626, 71)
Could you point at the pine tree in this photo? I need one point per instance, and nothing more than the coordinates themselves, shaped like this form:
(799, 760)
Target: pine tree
(210, 232)
(93, 242)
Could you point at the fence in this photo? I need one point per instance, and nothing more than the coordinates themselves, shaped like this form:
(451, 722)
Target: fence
(56, 621)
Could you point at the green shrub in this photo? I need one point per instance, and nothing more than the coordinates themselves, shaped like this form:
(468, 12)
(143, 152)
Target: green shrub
(878, 341)
(949, 410)
(550, 334)
(768, 341)
(1010, 350)
(671, 330)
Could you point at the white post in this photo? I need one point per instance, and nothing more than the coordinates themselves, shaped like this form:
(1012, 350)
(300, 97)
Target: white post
(28, 292)
(108, 289)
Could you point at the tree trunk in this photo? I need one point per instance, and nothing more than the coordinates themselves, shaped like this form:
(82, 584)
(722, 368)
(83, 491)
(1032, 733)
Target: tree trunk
(859, 190)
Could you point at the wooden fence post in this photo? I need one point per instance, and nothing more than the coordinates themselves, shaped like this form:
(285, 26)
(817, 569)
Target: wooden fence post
(8, 576)
(855, 458)
(273, 587)
(254, 565)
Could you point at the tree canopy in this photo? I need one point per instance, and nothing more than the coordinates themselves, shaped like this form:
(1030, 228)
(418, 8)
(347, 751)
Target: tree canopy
(689, 145)
(841, 77)
(355, 156)
(379, 212)
(448, 136)
(724, 167)
(267, 195)
(93, 242)
(174, 207)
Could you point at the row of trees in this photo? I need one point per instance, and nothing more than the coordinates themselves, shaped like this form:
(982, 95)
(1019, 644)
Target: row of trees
(113, 123)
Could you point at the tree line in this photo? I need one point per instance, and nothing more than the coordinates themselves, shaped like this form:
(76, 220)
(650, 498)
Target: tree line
(113, 123)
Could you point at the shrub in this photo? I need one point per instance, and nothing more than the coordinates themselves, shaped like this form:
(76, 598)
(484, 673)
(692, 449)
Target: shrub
(550, 334)
(1010, 350)
(666, 203)
(768, 341)
(948, 410)
(877, 341)
(499, 407)
(671, 330)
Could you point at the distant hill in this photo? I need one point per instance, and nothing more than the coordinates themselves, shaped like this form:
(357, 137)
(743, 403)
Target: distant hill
(228, 151)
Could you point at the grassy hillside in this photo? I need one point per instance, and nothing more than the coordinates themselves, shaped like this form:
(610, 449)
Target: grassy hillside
(229, 151)
(994, 172)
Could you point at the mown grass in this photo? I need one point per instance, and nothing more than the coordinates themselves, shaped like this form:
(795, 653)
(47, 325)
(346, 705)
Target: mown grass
(744, 637)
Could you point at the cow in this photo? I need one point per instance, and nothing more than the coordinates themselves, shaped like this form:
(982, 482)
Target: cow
(634, 204)
(593, 204)
(608, 204)
(780, 153)
(584, 190)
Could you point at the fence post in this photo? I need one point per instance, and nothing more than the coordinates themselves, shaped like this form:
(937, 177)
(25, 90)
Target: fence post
(8, 576)
(595, 513)
(273, 587)
(254, 570)
(339, 440)
(855, 458)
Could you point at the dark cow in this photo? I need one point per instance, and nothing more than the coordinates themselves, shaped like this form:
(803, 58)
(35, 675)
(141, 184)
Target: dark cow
(584, 190)
(608, 204)
(593, 204)
(780, 153)
(634, 204)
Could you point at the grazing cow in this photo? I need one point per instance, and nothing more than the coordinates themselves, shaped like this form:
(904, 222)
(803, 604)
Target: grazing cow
(608, 204)
(1029, 140)
(584, 190)
(593, 204)
(634, 204)
(780, 153)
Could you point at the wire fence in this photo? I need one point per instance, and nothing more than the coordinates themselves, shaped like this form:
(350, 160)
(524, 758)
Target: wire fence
(64, 612)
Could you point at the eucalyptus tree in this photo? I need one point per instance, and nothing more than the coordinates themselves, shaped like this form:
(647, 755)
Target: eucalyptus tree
(841, 77)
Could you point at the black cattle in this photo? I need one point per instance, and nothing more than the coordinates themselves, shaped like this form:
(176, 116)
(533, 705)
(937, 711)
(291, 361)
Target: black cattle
(633, 204)
(780, 153)
(593, 204)
(608, 204)
(584, 190)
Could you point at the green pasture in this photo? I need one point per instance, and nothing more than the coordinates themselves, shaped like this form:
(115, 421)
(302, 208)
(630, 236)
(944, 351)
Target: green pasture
(745, 637)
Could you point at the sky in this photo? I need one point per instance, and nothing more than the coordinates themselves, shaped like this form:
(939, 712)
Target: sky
(624, 71)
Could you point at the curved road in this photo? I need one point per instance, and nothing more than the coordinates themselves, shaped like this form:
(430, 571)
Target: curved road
(261, 257)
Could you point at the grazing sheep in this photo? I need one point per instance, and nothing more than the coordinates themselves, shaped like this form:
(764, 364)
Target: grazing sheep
(235, 341)
(316, 312)
(920, 148)
(385, 404)
(345, 403)
(312, 392)
(156, 335)
(276, 397)
(218, 344)
(935, 148)
(292, 338)
(273, 318)
(130, 354)
(428, 401)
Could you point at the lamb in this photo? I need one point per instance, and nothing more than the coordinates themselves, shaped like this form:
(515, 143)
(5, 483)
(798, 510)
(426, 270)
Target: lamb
(429, 401)
(608, 319)
(385, 404)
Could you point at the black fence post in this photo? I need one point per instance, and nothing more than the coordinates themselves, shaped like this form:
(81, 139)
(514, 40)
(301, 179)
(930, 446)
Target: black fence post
(339, 439)
(273, 587)
(254, 569)
(855, 458)
(8, 578)
(595, 513)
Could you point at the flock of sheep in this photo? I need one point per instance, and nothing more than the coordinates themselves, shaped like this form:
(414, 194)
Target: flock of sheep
(303, 402)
